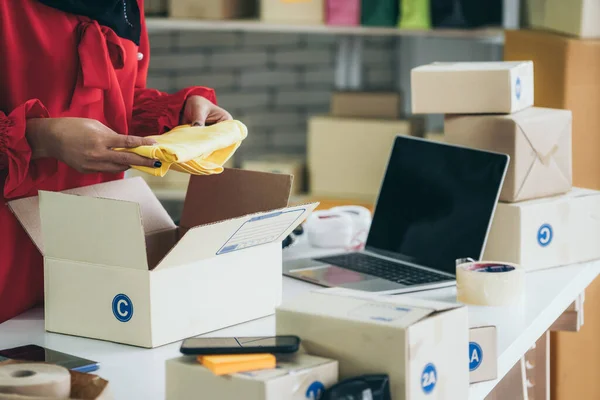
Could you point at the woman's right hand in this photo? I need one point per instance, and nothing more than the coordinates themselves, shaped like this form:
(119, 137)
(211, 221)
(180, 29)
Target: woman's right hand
(85, 144)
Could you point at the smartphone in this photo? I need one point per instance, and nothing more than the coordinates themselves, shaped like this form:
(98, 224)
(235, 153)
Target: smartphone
(240, 345)
(35, 353)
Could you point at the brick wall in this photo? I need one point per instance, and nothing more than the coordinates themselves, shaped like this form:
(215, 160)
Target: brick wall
(272, 82)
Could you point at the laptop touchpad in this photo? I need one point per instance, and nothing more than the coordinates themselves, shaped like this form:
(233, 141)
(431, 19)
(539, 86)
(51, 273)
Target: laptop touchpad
(330, 275)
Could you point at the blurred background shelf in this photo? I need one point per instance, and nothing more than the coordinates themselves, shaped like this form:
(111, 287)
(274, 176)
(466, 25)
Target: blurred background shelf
(156, 24)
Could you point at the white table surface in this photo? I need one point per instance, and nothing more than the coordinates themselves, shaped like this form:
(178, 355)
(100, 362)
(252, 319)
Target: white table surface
(136, 373)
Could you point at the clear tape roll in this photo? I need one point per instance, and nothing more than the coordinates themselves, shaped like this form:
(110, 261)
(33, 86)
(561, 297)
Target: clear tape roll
(35, 380)
(488, 283)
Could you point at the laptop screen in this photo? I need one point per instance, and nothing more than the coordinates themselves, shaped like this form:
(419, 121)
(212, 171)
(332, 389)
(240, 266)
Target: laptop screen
(436, 203)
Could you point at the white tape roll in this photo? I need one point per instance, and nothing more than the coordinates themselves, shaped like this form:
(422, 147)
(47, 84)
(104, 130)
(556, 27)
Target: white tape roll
(489, 283)
(43, 380)
(329, 229)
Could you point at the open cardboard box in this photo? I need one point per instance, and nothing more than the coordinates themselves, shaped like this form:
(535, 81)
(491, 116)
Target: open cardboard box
(117, 268)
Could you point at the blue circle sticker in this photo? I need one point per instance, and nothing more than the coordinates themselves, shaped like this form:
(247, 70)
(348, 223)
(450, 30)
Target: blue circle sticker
(475, 356)
(545, 235)
(315, 390)
(122, 307)
(518, 88)
(428, 378)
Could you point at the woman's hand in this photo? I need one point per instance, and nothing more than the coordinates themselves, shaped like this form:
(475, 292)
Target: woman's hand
(200, 111)
(85, 144)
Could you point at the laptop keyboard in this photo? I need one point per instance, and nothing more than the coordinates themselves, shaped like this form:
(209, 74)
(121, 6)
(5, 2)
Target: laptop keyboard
(388, 270)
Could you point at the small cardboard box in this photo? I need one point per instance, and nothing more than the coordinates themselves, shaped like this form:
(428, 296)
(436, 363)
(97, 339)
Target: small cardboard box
(576, 17)
(566, 76)
(280, 164)
(483, 354)
(538, 141)
(293, 11)
(347, 158)
(472, 87)
(422, 345)
(117, 268)
(366, 105)
(297, 377)
(547, 232)
(213, 9)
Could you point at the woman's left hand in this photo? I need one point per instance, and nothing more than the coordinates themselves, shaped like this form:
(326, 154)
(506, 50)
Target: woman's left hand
(200, 111)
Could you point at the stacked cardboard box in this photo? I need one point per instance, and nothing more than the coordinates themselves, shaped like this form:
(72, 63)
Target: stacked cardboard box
(567, 62)
(348, 150)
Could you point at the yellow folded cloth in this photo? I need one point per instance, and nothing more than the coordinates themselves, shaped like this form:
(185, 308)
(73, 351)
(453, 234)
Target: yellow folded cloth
(233, 363)
(197, 150)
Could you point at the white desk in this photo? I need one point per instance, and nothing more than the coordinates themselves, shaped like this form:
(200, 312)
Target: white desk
(136, 373)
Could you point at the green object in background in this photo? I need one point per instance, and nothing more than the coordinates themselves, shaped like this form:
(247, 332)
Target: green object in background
(379, 12)
(414, 14)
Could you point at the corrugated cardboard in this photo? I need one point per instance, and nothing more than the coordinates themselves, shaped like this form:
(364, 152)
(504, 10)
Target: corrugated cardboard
(472, 87)
(280, 164)
(566, 75)
(385, 105)
(547, 232)
(348, 157)
(538, 141)
(483, 354)
(293, 11)
(296, 377)
(213, 9)
(574, 17)
(422, 345)
(116, 267)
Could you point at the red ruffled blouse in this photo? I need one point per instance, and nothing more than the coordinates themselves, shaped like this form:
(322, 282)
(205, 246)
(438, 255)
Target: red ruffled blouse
(52, 65)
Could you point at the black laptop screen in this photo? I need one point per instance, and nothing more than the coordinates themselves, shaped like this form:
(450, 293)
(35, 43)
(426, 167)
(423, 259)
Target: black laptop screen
(436, 203)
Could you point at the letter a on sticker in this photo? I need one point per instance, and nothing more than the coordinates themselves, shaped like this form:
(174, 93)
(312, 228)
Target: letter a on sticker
(474, 356)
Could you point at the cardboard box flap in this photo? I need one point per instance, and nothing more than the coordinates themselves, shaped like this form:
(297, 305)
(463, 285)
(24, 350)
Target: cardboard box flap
(471, 66)
(154, 217)
(92, 230)
(539, 125)
(342, 303)
(236, 234)
(232, 194)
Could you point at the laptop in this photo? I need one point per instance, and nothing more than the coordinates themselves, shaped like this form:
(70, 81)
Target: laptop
(435, 206)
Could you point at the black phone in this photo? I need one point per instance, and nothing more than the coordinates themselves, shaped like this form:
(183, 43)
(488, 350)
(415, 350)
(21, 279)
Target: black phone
(240, 345)
(36, 353)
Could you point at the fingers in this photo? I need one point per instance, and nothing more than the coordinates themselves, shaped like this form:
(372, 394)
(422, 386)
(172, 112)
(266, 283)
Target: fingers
(130, 159)
(127, 141)
(199, 114)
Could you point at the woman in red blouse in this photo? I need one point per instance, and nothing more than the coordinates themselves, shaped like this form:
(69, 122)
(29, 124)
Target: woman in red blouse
(72, 87)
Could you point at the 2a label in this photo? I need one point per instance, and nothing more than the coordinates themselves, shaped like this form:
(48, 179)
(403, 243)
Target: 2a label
(428, 378)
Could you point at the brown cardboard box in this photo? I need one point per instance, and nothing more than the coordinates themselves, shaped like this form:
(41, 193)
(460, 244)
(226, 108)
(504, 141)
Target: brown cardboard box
(574, 17)
(212, 9)
(293, 11)
(566, 76)
(471, 87)
(348, 157)
(366, 105)
(538, 141)
(280, 164)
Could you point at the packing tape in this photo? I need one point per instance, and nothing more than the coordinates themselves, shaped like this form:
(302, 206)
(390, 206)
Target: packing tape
(489, 283)
(35, 380)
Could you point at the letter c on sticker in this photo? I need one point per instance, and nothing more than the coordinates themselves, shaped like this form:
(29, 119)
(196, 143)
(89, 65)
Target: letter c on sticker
(122, 307)
(545, 235)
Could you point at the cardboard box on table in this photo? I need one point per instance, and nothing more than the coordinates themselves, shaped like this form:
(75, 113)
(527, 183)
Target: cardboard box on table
(385, 105)
(422, 345)
(301, 12)
(116, 267)
(347, 157)
(472, 87)
(566, 75)
(213, 9)
(297, 377)
(483, 354)
(574, 17)
(548, 232)
(538, 141)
